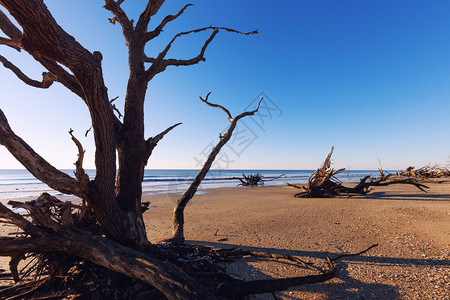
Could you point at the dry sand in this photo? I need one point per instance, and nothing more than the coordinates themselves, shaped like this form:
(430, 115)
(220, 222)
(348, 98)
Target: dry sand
(412, 229)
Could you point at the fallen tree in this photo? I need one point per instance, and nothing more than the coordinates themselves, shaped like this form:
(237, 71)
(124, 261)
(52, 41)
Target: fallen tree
(324, 183)
(254, 179)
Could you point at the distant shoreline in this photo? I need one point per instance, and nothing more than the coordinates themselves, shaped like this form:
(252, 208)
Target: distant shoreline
(20, 184)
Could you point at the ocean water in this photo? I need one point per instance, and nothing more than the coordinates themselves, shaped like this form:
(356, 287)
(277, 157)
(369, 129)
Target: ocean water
(20, 184)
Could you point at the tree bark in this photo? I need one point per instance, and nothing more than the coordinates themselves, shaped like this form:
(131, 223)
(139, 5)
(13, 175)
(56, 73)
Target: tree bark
(163, 275)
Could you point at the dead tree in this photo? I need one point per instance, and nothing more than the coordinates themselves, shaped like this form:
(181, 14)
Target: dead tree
(178, 211)
(321, 183)
(251, 180)
(324, 183)
(254, 179)
(113, 202)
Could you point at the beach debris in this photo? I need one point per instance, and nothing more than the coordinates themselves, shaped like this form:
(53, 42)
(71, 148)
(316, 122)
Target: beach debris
(254, 179)
(426, 172)
(323, 182)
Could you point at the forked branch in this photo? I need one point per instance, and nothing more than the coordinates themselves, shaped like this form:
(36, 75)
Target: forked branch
(156, 32)
(230, 118)
(80, 174)
(159, 63)
(150, 10)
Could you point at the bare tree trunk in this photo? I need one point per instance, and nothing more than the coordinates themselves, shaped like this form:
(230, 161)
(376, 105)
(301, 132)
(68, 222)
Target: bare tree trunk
(132, 148)
(178, 211)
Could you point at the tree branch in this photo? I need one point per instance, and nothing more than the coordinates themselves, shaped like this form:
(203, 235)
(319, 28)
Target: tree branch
(19, 221)
(159, 64)
(9, 28)
(249, 113)
(13, 246)
(153, 141)
(150, 10)
(80, 174)
(34, 163)
(62, 76)
(157, 31)
(15, 44)
(230, 118)
(47, 78)
(68, 80)
(195, 60)
(121, 17)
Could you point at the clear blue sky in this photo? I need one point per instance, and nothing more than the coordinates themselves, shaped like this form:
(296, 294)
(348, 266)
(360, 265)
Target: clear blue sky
(371, 78)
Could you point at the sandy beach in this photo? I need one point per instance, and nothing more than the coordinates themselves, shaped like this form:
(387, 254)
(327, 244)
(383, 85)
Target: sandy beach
(412, 229)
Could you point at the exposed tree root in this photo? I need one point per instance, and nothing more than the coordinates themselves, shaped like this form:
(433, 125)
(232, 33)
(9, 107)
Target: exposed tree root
(323, 183)
(80, 263)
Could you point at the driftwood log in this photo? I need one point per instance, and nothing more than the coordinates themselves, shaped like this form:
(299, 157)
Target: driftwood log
(324, 183)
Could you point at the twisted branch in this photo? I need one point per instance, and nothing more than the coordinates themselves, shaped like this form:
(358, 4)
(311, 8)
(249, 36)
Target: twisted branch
(19, 221)
(230, 118)
(249, 113)
(80, 174)
(47, 78)
(159, 64)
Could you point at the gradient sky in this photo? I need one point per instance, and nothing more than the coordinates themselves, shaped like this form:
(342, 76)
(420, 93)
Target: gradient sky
(371, 78)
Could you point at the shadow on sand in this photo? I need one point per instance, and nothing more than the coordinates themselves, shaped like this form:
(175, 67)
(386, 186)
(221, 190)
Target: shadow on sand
(399, 196)
(348, 287)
